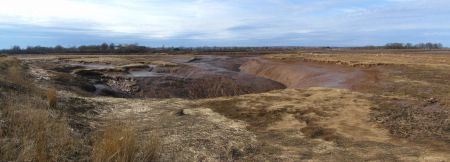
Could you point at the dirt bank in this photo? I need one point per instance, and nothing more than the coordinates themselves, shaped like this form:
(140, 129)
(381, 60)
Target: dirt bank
(198, 77)
(302, 75)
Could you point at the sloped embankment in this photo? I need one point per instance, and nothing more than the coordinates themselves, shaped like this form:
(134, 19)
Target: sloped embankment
(305, 74)
(205, 77)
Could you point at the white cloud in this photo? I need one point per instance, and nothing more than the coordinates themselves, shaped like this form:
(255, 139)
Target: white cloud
(153, 19)
(225, 20)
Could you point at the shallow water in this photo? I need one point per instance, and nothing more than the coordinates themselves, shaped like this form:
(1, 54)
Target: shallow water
(100, 87)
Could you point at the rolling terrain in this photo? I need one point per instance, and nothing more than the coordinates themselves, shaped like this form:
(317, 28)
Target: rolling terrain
(308, 105)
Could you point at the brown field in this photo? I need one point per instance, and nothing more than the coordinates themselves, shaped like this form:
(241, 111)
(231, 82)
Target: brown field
(309, 105)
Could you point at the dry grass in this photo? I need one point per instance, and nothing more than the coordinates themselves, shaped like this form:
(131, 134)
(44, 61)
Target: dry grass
(52, 97)
(160, 60)
(120, 143)
(314, 131)
(117, 143)
(368, 59)
(213, 86)
(32, 129)
(29, 130)
(14, 72)
(33, 133)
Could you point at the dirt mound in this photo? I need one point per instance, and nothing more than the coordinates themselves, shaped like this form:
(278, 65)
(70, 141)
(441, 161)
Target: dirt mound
(304, 74)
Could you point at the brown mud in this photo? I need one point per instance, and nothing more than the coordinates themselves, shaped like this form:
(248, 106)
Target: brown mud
(301, 75)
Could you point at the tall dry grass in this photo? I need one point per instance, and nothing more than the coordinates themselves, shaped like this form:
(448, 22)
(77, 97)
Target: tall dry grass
(52, 97)
(120, 143)
(29, 130)
(33, 133)
(14, 70)
(32, 130)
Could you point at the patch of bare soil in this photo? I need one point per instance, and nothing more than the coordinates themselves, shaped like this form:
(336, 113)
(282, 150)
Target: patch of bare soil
(187, 133)
(320, 124)
(316, 124)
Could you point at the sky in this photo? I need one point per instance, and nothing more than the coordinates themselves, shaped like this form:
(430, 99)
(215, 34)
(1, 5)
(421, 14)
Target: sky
(187, 23)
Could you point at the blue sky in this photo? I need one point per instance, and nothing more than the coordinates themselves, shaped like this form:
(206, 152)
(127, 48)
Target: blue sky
(223, 22)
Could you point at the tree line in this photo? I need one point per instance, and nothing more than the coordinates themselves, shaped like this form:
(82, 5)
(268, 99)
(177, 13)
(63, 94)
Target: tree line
(102, 48)
(428, 46)
(112, 48)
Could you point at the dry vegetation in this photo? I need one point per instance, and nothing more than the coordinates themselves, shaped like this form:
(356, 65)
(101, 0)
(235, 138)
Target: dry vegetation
(32, 133)
(33, 127)
(120, 143)
(412, 89)
(30, 130)
(52, 97)
(371, 58)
